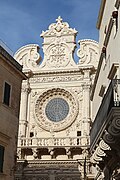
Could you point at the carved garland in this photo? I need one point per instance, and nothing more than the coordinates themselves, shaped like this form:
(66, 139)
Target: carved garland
(43, 100)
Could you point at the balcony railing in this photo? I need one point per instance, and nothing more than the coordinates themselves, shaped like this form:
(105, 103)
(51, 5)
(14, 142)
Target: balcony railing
(111, 99)
(53, 142)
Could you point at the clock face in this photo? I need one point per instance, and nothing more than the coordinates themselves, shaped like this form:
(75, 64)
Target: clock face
(57, 109)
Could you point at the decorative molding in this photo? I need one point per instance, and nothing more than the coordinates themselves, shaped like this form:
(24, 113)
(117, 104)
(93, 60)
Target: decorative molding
(56, 79)
(96, 157)
(100, 152)
(113, 131)
(116, 122)
(109, 139)
(104, 146)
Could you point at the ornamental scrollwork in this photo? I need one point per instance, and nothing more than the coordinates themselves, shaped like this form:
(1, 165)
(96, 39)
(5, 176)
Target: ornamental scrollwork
(28, 56)
(88, 52)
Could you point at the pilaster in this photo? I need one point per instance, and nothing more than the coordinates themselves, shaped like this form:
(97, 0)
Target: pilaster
(23, 108)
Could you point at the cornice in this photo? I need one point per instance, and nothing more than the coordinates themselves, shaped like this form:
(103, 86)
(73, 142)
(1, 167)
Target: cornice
(102, 6)
(11, 62)
(88, 40)
(10, 59)
(77, 70)
(53, 162)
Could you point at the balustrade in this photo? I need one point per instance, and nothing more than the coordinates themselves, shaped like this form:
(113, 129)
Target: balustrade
(52, 142)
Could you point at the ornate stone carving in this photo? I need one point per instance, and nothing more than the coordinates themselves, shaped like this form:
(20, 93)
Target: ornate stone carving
(59, 45)
(58, 56)
(100, 152)
(68, 152)
(108, 138)
(58, 29)
(96, 157)
(19, 153)
(25, 88)
(88, 52)
(41, 103)
(34, 150)
(56, 79)
(104, 146)
(113, 131)
(28, 56)
(116, 122)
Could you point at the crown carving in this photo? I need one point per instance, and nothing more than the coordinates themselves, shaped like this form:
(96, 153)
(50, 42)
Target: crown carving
(59, 28)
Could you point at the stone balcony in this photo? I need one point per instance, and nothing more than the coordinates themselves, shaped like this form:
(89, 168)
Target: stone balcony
(105, 132)
(110, 102)
(53, 142)
(52, 148)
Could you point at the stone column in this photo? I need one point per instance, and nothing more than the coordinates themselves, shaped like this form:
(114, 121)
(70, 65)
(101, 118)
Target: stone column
(86, 107)
(23, 109)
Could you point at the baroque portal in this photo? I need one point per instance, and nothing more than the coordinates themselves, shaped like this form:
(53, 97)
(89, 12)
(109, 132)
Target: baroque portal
(55, 112)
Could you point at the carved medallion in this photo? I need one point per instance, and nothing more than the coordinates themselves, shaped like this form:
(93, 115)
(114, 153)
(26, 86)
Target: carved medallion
(58, 55)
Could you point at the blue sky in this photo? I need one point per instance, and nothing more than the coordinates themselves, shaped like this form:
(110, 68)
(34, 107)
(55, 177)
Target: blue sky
(22, 21)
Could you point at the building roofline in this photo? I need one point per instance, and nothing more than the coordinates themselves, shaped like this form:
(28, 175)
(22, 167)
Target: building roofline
(10, 60)
(102, 6)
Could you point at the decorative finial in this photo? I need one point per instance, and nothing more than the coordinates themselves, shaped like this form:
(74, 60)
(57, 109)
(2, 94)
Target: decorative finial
(59, 19)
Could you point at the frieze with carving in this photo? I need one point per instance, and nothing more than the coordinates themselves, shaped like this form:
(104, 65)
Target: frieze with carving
(56, 79)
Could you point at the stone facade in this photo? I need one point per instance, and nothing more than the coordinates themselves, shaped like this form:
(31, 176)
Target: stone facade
(105, 132)
(55, 112)
(11, 77)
